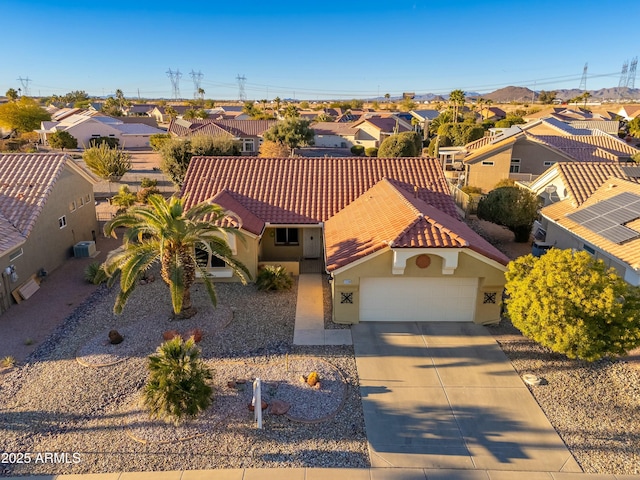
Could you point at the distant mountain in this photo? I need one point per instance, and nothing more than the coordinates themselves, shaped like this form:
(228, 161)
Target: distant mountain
(510, 94)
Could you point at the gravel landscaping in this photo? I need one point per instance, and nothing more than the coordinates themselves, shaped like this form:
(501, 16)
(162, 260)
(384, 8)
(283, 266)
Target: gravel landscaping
(62, 400)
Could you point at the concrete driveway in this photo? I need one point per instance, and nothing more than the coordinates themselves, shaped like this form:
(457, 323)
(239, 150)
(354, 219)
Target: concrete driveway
(444, 395)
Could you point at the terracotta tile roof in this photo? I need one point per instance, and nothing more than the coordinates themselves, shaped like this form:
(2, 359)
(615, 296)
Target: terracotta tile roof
(628, 252)
(26, 180)
(389, 216)
(582, 179)
(246, 128)
(237, 128)
(587, 148)
(385, 124)
(309, 190)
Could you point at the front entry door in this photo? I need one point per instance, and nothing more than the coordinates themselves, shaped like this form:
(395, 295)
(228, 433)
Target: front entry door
(311, 242)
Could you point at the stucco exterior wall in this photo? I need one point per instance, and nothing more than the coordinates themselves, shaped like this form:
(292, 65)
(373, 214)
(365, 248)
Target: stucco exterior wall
(247, 254)
(486, 176)
(84, 132)
(333, 141)
(562, 238)
(491, 279)
(48, 245)
(533, 156)
(270, 251)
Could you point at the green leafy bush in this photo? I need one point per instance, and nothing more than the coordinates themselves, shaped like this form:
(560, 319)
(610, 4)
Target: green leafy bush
(573, 304)
(124, 198)
(469, 189)
(357, 150)
(273, 277)
(371, 152)
(94, 273)
(158, 140)
(112, 142)
(512, 207)
(179, 382)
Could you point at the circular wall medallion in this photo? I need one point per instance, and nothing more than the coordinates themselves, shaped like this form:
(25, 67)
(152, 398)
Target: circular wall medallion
(423, 261)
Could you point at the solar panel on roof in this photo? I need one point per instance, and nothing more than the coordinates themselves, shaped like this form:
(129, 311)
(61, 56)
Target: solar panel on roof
(619, 234)
(633, 172)
(607, 218)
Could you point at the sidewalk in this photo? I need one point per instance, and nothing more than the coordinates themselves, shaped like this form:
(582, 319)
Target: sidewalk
(309, 328)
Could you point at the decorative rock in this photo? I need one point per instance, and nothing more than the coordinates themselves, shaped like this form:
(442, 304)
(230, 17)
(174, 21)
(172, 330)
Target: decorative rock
(303, 379)
(317, 386)
(115, 338)
(196, 333)
(279, 407)
(264, 406)
(170, 335)
(313, 378)
(532, 379)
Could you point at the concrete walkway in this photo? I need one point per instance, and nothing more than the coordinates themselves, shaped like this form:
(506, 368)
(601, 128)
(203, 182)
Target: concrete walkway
(309, 327)
(444, 395)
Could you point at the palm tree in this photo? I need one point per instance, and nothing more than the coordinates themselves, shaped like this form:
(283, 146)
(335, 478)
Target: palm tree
(163, 231)
(456, 98)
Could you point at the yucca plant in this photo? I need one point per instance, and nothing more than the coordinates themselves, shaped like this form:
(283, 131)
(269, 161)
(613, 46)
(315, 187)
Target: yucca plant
(273, 277)
(94, 273)
(179, 382)
(7, 362)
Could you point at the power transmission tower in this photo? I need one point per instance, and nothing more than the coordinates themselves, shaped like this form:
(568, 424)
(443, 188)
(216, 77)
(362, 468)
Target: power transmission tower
(631, 79)
(197, 81)
(241, 81)
(623, 74)
(583, 82)
(25, 85)
(175, 82)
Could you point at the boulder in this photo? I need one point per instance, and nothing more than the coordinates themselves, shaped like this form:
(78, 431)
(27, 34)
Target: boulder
(115, 337)
(279, 407)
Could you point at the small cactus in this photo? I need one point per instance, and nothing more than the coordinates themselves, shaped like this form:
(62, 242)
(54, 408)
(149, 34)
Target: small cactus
(313, 378)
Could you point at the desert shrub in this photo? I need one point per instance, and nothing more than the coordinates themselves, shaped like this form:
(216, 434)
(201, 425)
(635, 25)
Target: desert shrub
(158, 140)
(371, 152)
(357, 150)
(273, 277)
(94, 273)
(148, 182)
(124, 198)
(111, 142)
(470, 189)
(7, 362)
(505, 182)
(143, 193)
(179, 382)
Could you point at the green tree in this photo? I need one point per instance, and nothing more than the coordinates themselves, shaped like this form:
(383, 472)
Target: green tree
(12, 94)
(62, 140)
(458, 134)
(512, 207)
(179, 382)
(270, 149)
(405, 144)
(292, 132)
(23, 115)
(157, 140)
(634, 127)
(456, 101)
(176, 153)
(171, 112)
(163, 231)
(546, 98)
(106, 162)
(407, 104)
(571, 303)
(291, 111)
(509, 121)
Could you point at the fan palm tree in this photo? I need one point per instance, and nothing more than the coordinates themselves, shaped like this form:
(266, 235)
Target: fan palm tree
(163, 231)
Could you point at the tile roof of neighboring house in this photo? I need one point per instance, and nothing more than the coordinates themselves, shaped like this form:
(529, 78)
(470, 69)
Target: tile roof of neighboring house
(588, 148)
(628, 252)
(582, 179)
(138, 108)
(563, 128)
(237, 128)
(425, 114)
(333, 128)
(309, 190)
(385, 124)
(389, 216)
(492, 139)
(26, 180)
(608, 126)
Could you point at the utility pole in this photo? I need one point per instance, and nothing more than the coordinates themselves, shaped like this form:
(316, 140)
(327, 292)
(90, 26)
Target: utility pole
(25, 85)
(241, 81)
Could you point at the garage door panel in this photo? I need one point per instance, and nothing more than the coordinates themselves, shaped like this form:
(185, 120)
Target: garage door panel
(418, 299)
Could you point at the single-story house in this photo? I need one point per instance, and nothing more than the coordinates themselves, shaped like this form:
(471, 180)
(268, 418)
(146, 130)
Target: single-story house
(248, 133)
(385, 230)
(606, 225)
(524, 155)
(85, 128)
(334, 134)
(373, 130)
(46, 208)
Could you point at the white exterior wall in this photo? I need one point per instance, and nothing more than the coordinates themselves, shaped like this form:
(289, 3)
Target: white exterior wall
(333, 141)
(84, 131)
(134, 141)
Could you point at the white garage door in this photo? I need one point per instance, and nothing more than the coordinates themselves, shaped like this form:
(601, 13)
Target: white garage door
(417, 299)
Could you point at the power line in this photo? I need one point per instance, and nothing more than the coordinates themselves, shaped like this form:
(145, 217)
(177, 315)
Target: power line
(242, 80)
(175, 82)
(583, 81)
(197, 81)
(25, 85)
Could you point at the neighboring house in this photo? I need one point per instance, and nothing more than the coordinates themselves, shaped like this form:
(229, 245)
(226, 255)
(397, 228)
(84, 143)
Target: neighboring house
(140, 110)
(248, 133)
(492, 113)
(629, 112)
(606, 224)
(523, 155)
(333, 134)
(385, 229)
(84, 128)
(161, 115)
(372, 131)
(46, 207)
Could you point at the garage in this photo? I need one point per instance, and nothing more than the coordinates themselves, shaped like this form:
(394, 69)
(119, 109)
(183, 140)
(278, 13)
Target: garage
(404, 299)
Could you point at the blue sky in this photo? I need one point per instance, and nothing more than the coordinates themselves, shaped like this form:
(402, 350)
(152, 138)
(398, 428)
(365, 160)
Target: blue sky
(313, 50)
